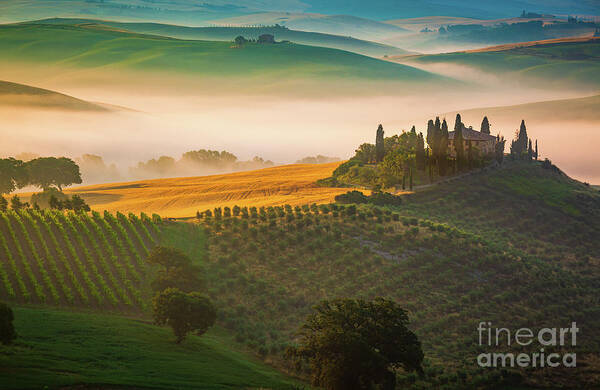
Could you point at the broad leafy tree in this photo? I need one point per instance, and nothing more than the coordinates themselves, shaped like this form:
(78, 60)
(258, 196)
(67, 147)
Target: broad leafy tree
(352, 344)
(12, 175)
(184, 312)
(176, 270)
(45, 172)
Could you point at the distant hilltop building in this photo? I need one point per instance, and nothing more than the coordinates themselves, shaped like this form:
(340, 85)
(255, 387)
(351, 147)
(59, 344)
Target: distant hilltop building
(484, 142)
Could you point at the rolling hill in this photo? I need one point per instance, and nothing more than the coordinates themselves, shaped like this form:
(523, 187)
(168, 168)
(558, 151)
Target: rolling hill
(515, 245)
(228, 34)
(20, 95)
(345, 25)
(182, 197)
(572, 65)
(90, 51)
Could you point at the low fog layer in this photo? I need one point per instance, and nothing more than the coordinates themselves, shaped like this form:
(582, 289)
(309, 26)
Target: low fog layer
(171, 119)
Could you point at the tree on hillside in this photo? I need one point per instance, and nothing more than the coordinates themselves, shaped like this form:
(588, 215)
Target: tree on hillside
(365, 153)
(459, 142)
(3, 203)
(12, 175)
(17, 204)
(352, 344)
(7, 329)
(45, 172)
(177, 270)
(499, 151)
(485, 125)
(420, 152)
(443, 146)
(530, 151)
(240, 40)
(535, 154)
(518, 147)
(379, 145)
(184, 312)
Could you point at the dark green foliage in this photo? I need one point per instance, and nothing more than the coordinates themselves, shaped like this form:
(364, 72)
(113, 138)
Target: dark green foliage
(353, 344)
(177, 270)
(17, 204)
(3, 203)
(7, 329)
(377, 198)
(499, 151)
(45, 172)
(184, 312)
(459, 146)
(13, 175)
(379, 144)
(240, 40)
(485, 125)
(519, 147)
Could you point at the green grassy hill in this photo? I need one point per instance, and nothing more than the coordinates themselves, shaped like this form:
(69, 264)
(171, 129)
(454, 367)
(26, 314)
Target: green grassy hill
(13, 94)
(228, 34)
(556, 65)
(278, 68)
(90, 350)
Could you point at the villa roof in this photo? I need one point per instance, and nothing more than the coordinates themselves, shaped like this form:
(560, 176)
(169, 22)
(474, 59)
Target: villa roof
(473, 135)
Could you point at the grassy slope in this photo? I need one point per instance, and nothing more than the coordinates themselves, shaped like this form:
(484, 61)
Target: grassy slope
(515, 246)
(182, 197)
(90, 47)
(73, 348)
(229, 33)
(13, 94)
(572, 64)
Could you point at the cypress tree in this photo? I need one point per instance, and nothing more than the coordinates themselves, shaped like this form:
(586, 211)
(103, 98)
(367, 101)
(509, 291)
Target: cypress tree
(443, 157)
(530, 151)
(459, 142)
(420, 152)
(485, 125)
(379, 148)
(536, 151)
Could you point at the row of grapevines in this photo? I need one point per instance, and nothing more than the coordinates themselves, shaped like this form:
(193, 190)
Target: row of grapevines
(34, 282)
(135, 221)
(114, 222)
(15, 270)
(100, 256)
(38, 259)
(150, 222)
(87, 257)
(57, 222)
(114, 238)
(41, 218)
(128, 225)
(58, 275)
(126, 276)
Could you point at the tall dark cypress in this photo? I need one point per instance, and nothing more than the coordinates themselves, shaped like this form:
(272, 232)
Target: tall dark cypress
(459, 142)
(485, 125)
(420, 152)
(536, 150)
(379, 142)
(443, 146)
(530, 151)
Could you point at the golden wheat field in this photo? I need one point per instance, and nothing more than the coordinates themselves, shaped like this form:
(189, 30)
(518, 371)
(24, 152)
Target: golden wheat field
(182, 197)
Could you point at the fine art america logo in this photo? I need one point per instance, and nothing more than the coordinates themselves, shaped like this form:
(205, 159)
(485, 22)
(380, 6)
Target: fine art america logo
(545, 338)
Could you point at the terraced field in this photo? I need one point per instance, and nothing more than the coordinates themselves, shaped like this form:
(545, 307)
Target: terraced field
(88, 260)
